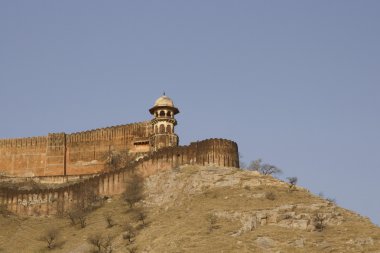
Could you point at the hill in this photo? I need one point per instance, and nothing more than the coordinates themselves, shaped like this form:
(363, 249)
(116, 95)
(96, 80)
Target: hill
(205, 209)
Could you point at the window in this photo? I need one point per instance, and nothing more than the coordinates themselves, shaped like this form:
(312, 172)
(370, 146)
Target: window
(162, 129)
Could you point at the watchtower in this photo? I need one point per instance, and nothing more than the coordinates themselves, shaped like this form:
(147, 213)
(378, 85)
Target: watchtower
(163, 124)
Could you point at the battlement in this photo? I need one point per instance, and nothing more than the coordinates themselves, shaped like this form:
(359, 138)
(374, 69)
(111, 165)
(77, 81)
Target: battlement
(60, 198)
(71, 154)
(39, 141)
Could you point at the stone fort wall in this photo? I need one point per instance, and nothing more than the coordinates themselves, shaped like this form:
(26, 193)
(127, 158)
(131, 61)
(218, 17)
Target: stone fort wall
(58, 200)
(71, 154)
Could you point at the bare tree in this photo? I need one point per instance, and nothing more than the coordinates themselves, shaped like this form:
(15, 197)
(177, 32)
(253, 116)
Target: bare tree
(319, 220)
(265, 169)
(96, 241)
(140, 215)
(72, 216)
(134, 190)
(50, 236)
(100, 243)
(212, 220)
(255, 165)
(117, 159)
(292, 182)
(82, 217)
(109, 219)
(129, 233)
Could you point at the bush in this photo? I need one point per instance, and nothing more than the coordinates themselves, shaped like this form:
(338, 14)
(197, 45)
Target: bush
(109, 219)
(134, 191)
(212, 221)
(50, 236)
(270, 196)
(100, 243)
(129, 233)
(78, 215)
(140, 215)
(292, 183)
(319, 220)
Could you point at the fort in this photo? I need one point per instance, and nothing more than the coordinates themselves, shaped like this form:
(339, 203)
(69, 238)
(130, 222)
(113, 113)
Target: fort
(76, 164)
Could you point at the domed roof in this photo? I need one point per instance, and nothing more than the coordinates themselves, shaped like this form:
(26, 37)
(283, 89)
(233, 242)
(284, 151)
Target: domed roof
(164, 101)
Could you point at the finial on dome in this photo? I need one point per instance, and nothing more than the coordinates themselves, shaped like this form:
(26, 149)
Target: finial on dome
(163, 93)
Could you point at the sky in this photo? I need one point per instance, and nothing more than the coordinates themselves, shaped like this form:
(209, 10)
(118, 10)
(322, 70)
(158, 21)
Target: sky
(295, 83)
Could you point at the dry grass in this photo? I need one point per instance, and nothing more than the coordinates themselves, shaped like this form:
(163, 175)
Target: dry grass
(183, 225)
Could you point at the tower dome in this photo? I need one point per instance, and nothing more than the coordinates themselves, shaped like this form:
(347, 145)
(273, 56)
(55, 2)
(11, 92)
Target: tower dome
(162, 103)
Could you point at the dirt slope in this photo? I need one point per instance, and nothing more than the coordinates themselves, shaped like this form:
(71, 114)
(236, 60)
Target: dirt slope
(208, 209)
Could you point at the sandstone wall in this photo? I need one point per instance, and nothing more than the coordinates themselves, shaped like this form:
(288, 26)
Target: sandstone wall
(71, 154)
(218, 152)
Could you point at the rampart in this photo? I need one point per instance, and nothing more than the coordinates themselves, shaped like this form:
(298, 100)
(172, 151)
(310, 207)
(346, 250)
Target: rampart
(63, 197)
(71, 154)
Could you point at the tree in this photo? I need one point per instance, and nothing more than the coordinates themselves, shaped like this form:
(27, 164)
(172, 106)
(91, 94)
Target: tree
(82, 217)
(255, 165)
(140, 215)
(319, 221)
(292, 182)
(134, 190)
(101, 243)
(109, 219)
(212, 219)
(265, 169)
(96, 241)
(117, 159)
(268, 169)
(50, 236)
(129, 233)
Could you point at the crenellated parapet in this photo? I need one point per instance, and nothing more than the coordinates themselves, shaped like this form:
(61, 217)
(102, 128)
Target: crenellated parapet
(57, 200)
(30, 142)
(71, 154)
(127, 131)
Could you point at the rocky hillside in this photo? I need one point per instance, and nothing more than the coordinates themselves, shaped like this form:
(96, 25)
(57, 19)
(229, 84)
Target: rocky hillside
(206, 209)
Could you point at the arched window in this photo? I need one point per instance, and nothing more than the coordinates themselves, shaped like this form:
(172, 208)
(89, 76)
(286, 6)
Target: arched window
(168, 129)
(169, 114)
(156, 129)
(162, 129)
(162, 113)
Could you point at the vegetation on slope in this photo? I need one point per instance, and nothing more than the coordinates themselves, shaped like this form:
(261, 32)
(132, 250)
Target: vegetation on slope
(203, 209)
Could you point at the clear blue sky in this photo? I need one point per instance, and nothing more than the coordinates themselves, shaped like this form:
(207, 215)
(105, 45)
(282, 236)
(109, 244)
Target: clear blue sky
(296, 83)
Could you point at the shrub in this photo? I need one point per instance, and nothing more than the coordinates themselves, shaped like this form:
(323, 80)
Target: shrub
(109, 219)
(140, 215)
(129, 233)
(134, 190)
(292, 183)
(50, 236)
(319, 220)
(100, 243)
(212, 221)
(270, 196)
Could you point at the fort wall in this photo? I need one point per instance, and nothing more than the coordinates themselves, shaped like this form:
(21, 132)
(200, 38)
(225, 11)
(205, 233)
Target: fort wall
(71, 154)
(58, 200)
